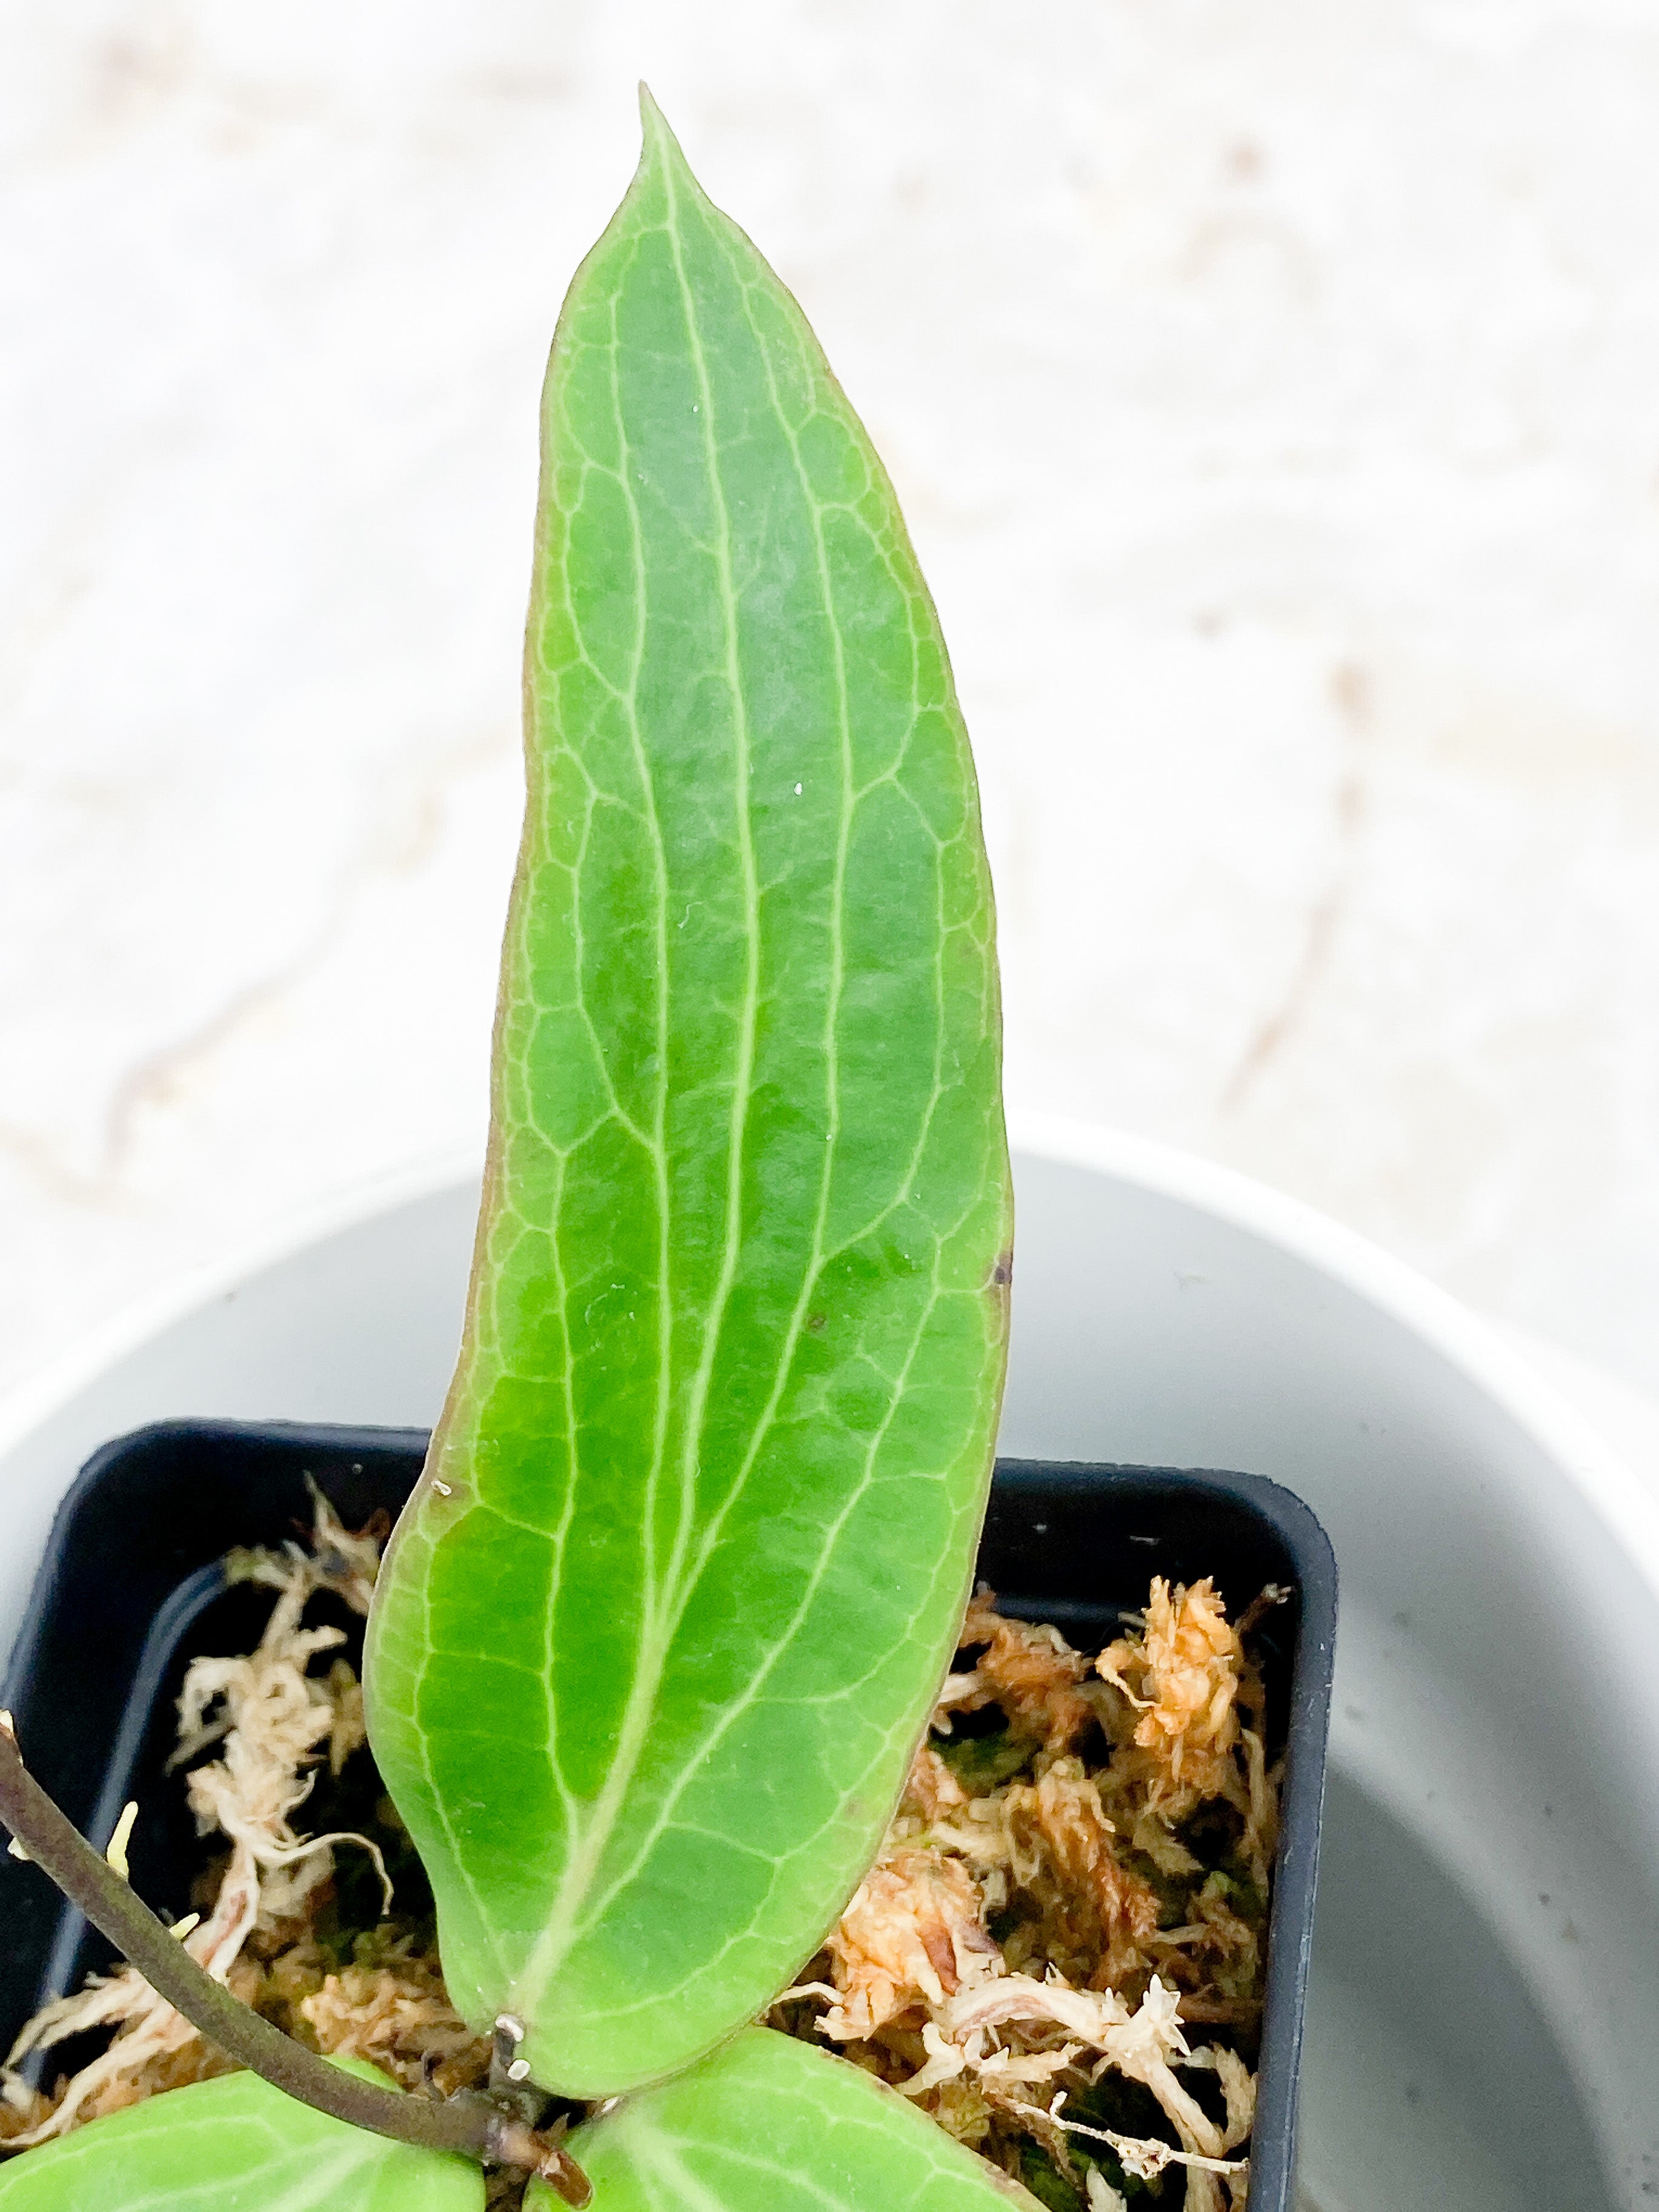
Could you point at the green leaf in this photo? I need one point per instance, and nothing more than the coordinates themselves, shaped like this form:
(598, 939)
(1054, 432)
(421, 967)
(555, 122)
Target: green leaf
(234, 2145)
(659, 1634)
(769, 2124)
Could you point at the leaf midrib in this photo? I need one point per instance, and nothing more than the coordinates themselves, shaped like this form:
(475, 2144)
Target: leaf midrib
(694, 1760)
(669, 1590)
(667, 1601)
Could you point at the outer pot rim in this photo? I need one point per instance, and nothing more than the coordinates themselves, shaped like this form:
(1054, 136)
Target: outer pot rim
(1626, 1505)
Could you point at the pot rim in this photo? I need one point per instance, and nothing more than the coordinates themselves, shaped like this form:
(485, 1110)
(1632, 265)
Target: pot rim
(1626, 1504)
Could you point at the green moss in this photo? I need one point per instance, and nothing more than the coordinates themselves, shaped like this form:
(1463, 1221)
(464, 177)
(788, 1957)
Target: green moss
(984, 1762)
(1045, 2182)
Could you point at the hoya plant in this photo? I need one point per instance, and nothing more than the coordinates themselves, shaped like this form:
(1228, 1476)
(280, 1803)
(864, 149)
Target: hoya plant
(660, 1628)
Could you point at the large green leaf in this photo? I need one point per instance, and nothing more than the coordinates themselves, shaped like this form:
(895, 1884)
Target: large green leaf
(657, 1633)
(769, 2124)
(234, 2145)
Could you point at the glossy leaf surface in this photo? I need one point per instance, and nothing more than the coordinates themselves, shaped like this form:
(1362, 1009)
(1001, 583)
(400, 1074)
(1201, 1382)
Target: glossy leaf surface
(659, 1628)
(770, 2124)
(234, 2145)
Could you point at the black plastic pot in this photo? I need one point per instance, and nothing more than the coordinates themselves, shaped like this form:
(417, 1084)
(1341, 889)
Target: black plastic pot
(132, 1588)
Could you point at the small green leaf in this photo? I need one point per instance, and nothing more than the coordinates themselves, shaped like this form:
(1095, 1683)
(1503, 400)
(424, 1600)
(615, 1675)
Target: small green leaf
(769, 2124)
(658, 1635)
(234, 2145)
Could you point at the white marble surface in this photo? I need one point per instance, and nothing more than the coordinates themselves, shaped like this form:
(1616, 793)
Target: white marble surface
(1273, 389)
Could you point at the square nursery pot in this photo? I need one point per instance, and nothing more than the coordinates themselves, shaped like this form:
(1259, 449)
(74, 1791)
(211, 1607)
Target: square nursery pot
(132, 1587)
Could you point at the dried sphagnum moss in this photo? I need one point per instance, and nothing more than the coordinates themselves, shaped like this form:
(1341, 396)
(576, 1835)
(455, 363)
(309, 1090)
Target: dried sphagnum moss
(1064, 1894)
(1063, 1901)
(275, 1720)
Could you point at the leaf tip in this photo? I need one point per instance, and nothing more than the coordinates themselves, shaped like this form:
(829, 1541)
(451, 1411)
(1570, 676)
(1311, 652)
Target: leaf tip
(654, 123)
(661, 145)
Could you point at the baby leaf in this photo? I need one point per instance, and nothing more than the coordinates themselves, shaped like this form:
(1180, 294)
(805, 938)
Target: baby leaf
(659, 1631)
(234, 2145)
(769, 2124)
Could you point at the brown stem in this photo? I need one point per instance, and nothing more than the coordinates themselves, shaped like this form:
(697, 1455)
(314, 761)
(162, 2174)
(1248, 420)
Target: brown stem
(474, 2126)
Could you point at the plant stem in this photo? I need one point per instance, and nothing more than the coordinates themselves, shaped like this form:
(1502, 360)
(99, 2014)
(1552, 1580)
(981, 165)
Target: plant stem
(472, 2125)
